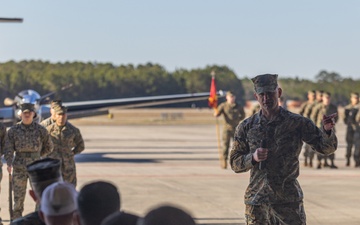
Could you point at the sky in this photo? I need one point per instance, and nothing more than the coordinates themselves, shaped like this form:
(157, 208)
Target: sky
(290, 38)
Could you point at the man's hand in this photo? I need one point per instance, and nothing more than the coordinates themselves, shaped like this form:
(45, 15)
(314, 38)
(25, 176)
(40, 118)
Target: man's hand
(329, 121)
(260, 154)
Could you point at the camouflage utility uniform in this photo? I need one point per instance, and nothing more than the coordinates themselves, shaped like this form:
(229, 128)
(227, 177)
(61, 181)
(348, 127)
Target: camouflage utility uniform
(29, 143)
(350, 120)
(233, 114)
(67, 143)
(47, 122)
(2, 150)
(357, 139)
(318, 112)
(305, 110)
(274, 193)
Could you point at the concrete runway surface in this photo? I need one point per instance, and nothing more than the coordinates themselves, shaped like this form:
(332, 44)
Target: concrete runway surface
(178, 164)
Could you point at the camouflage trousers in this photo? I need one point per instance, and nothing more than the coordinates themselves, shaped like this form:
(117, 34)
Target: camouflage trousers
(68, 168)
(349, 141)
(227, 135)
(308, 152)
(275, 214)
(20, 177)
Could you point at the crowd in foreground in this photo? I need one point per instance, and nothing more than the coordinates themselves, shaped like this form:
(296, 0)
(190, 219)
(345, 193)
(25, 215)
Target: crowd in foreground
(97, 203)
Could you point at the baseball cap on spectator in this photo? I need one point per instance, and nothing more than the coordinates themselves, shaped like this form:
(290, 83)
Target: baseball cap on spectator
(59, 199)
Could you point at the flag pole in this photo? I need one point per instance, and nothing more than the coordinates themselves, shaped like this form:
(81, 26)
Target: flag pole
(213, 104)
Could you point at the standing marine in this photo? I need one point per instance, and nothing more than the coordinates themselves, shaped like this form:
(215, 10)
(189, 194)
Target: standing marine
(269, 144)
(48, 121)
(2, 151)
(325, 108)
(26, 142)
(67, 141)
(233, 114)
(350, 113)
(305, 110)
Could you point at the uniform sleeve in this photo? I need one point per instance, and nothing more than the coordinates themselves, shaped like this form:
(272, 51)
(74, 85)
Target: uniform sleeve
(47, 144)
(318, 139)
(241, 112)
(220, 109)
(3, 137)
(302, 108)
(314, 114)
(79, 143)
(240, 155)
(9, 147)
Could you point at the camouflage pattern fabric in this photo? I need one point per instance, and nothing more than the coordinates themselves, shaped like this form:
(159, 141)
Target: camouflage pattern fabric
(318, 114)
(350, 120)
(285, 214)
(30, 219)
(357, 139)
(2, 148)
(47, 122)
(67, 143)
(233, 114)
(305, 110)
(284, 135)
(29, 143)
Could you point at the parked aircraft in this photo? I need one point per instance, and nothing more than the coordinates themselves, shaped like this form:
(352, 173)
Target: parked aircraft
(11, 114)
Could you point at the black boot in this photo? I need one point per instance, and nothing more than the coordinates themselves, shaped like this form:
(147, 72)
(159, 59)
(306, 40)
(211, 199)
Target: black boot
(347, 161)
(332, 166)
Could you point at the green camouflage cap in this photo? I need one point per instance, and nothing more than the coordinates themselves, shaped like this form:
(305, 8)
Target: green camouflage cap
(60, 109)
(55, 103)
(27, 107)
(326, 94)
(265, 83)
(354, 95)
(230, 93)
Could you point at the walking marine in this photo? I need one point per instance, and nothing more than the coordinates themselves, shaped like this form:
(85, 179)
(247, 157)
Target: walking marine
(29, 141)
(275, 136)
(67, 141)
(233, 114)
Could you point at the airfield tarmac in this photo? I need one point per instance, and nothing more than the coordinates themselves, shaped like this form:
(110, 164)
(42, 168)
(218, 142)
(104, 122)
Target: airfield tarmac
(173, 159)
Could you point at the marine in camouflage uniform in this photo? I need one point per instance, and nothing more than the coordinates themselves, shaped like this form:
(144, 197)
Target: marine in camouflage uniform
(41, 173)
(68, 142)
(357, 138)
(274, 195)
(29, 141)
(350, 112)
(305, 110)
(233, 114)
(2, 151)
(325, 108)
(52, 118)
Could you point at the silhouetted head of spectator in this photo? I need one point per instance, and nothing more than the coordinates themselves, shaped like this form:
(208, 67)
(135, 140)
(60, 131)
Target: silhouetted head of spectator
(167, 215)
(120, 218)
(96, 201)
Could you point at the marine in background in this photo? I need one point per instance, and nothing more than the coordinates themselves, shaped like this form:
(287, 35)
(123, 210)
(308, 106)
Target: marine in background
(2, 151)
(29, 141)
(52, 118)
(233, 113)
(305, 110)
(325, 108)
(350, 113)
(67, 141)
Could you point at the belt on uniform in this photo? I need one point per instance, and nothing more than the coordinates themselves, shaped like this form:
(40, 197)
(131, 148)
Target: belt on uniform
(28, 154)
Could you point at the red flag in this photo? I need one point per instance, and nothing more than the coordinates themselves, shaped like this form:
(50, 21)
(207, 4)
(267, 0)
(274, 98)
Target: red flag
(213, 101)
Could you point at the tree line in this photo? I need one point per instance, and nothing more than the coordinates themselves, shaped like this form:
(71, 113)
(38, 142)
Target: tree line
(95, 81)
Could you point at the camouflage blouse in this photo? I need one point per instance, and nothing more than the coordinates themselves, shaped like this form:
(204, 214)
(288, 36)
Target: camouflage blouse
(233, 114)
(284, 136)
